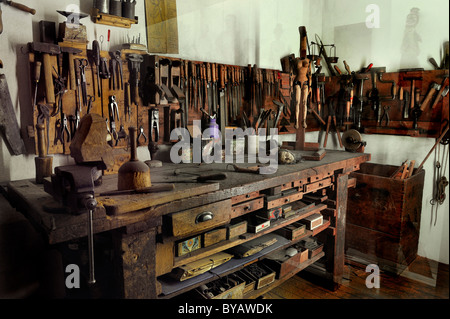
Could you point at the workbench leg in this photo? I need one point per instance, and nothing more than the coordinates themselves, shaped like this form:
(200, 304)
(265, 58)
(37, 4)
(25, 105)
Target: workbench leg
(341, 207)
(135, 264)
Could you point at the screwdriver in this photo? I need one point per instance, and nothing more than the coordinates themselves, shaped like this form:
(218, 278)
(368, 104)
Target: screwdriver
(37, 77)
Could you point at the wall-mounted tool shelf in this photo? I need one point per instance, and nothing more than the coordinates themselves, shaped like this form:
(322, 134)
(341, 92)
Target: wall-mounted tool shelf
(112, 20)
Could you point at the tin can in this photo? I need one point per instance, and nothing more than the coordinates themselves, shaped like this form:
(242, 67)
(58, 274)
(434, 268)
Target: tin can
(115, 7)
(102, 6)
(128, 9)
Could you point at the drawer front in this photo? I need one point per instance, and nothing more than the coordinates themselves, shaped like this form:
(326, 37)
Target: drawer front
(318, 185)
(242, 198)
(247, 207)
(200, 218)
(284, 200)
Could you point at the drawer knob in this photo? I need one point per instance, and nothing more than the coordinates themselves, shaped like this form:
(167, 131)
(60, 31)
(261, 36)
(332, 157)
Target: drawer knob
(203, 217)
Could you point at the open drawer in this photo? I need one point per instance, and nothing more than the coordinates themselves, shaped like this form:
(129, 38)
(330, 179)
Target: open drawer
(198, 219)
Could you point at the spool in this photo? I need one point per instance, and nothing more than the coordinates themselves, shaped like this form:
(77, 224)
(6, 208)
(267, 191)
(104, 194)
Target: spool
(133, 174)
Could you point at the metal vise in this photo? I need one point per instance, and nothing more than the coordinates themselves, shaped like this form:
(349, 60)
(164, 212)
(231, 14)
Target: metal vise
(73, 186)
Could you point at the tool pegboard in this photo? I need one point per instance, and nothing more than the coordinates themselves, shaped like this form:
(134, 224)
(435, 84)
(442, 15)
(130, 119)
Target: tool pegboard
(410, 102)
(186, 90)
(81, 90)
(153, 93)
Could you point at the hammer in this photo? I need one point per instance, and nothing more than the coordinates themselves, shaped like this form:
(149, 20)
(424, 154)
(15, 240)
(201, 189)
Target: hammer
(441, 91)
(47, 49)
(434, 87)
(413, 79)
(71, 52)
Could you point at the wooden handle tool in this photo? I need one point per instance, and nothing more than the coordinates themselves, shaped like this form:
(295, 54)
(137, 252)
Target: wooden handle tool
(21, 7)
(43, 163)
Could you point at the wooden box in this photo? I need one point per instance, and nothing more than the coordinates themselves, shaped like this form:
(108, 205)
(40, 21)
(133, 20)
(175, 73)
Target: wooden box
(186, 246)
(250, 282)
(271, 214)
(214, 236)
(292, 231)
(383, 217)
(263, 275)
(236, 229)
(229, 289)
(313, 221)
(257, 224)
(283, 264)
(312, 245)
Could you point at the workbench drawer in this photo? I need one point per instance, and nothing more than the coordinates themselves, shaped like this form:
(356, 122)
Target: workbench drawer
(199, 218)
(318, 185)
(247, 207)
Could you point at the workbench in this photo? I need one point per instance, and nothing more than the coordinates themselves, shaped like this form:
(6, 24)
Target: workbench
(145, 228)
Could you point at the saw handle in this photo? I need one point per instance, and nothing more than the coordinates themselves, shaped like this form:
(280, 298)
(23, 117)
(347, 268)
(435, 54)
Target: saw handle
(21, 7)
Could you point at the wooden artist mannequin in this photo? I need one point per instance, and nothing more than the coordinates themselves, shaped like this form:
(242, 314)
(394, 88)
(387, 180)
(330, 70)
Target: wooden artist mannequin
(301, 89)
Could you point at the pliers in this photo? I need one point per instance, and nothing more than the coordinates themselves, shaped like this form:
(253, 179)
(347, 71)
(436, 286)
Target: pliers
(118, 58)
(65, 129)
(113, 114)
(141, 134)
(385, 114)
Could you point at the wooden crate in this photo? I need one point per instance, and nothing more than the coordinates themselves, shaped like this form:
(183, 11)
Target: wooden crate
(383, 217)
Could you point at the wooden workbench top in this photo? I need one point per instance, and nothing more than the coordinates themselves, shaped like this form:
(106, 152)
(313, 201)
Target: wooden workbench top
(147, 209)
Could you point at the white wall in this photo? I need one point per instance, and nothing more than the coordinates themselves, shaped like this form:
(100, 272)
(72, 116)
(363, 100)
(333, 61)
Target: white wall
(21, 28)
(344, 23)
(260, 32)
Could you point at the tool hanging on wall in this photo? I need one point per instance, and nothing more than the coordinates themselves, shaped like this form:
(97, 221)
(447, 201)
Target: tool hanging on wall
(8, 121)
(332, 118)
(440, 180)
(14, 5)
(47, 50)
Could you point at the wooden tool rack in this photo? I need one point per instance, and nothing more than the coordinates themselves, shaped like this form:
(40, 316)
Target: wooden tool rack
(142, 230)
(430, 123)
(155, 77)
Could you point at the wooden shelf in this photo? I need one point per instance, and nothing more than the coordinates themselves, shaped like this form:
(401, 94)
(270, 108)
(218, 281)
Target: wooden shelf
(112, 20)
(256, 293)
(223, 245)
(259, 292)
